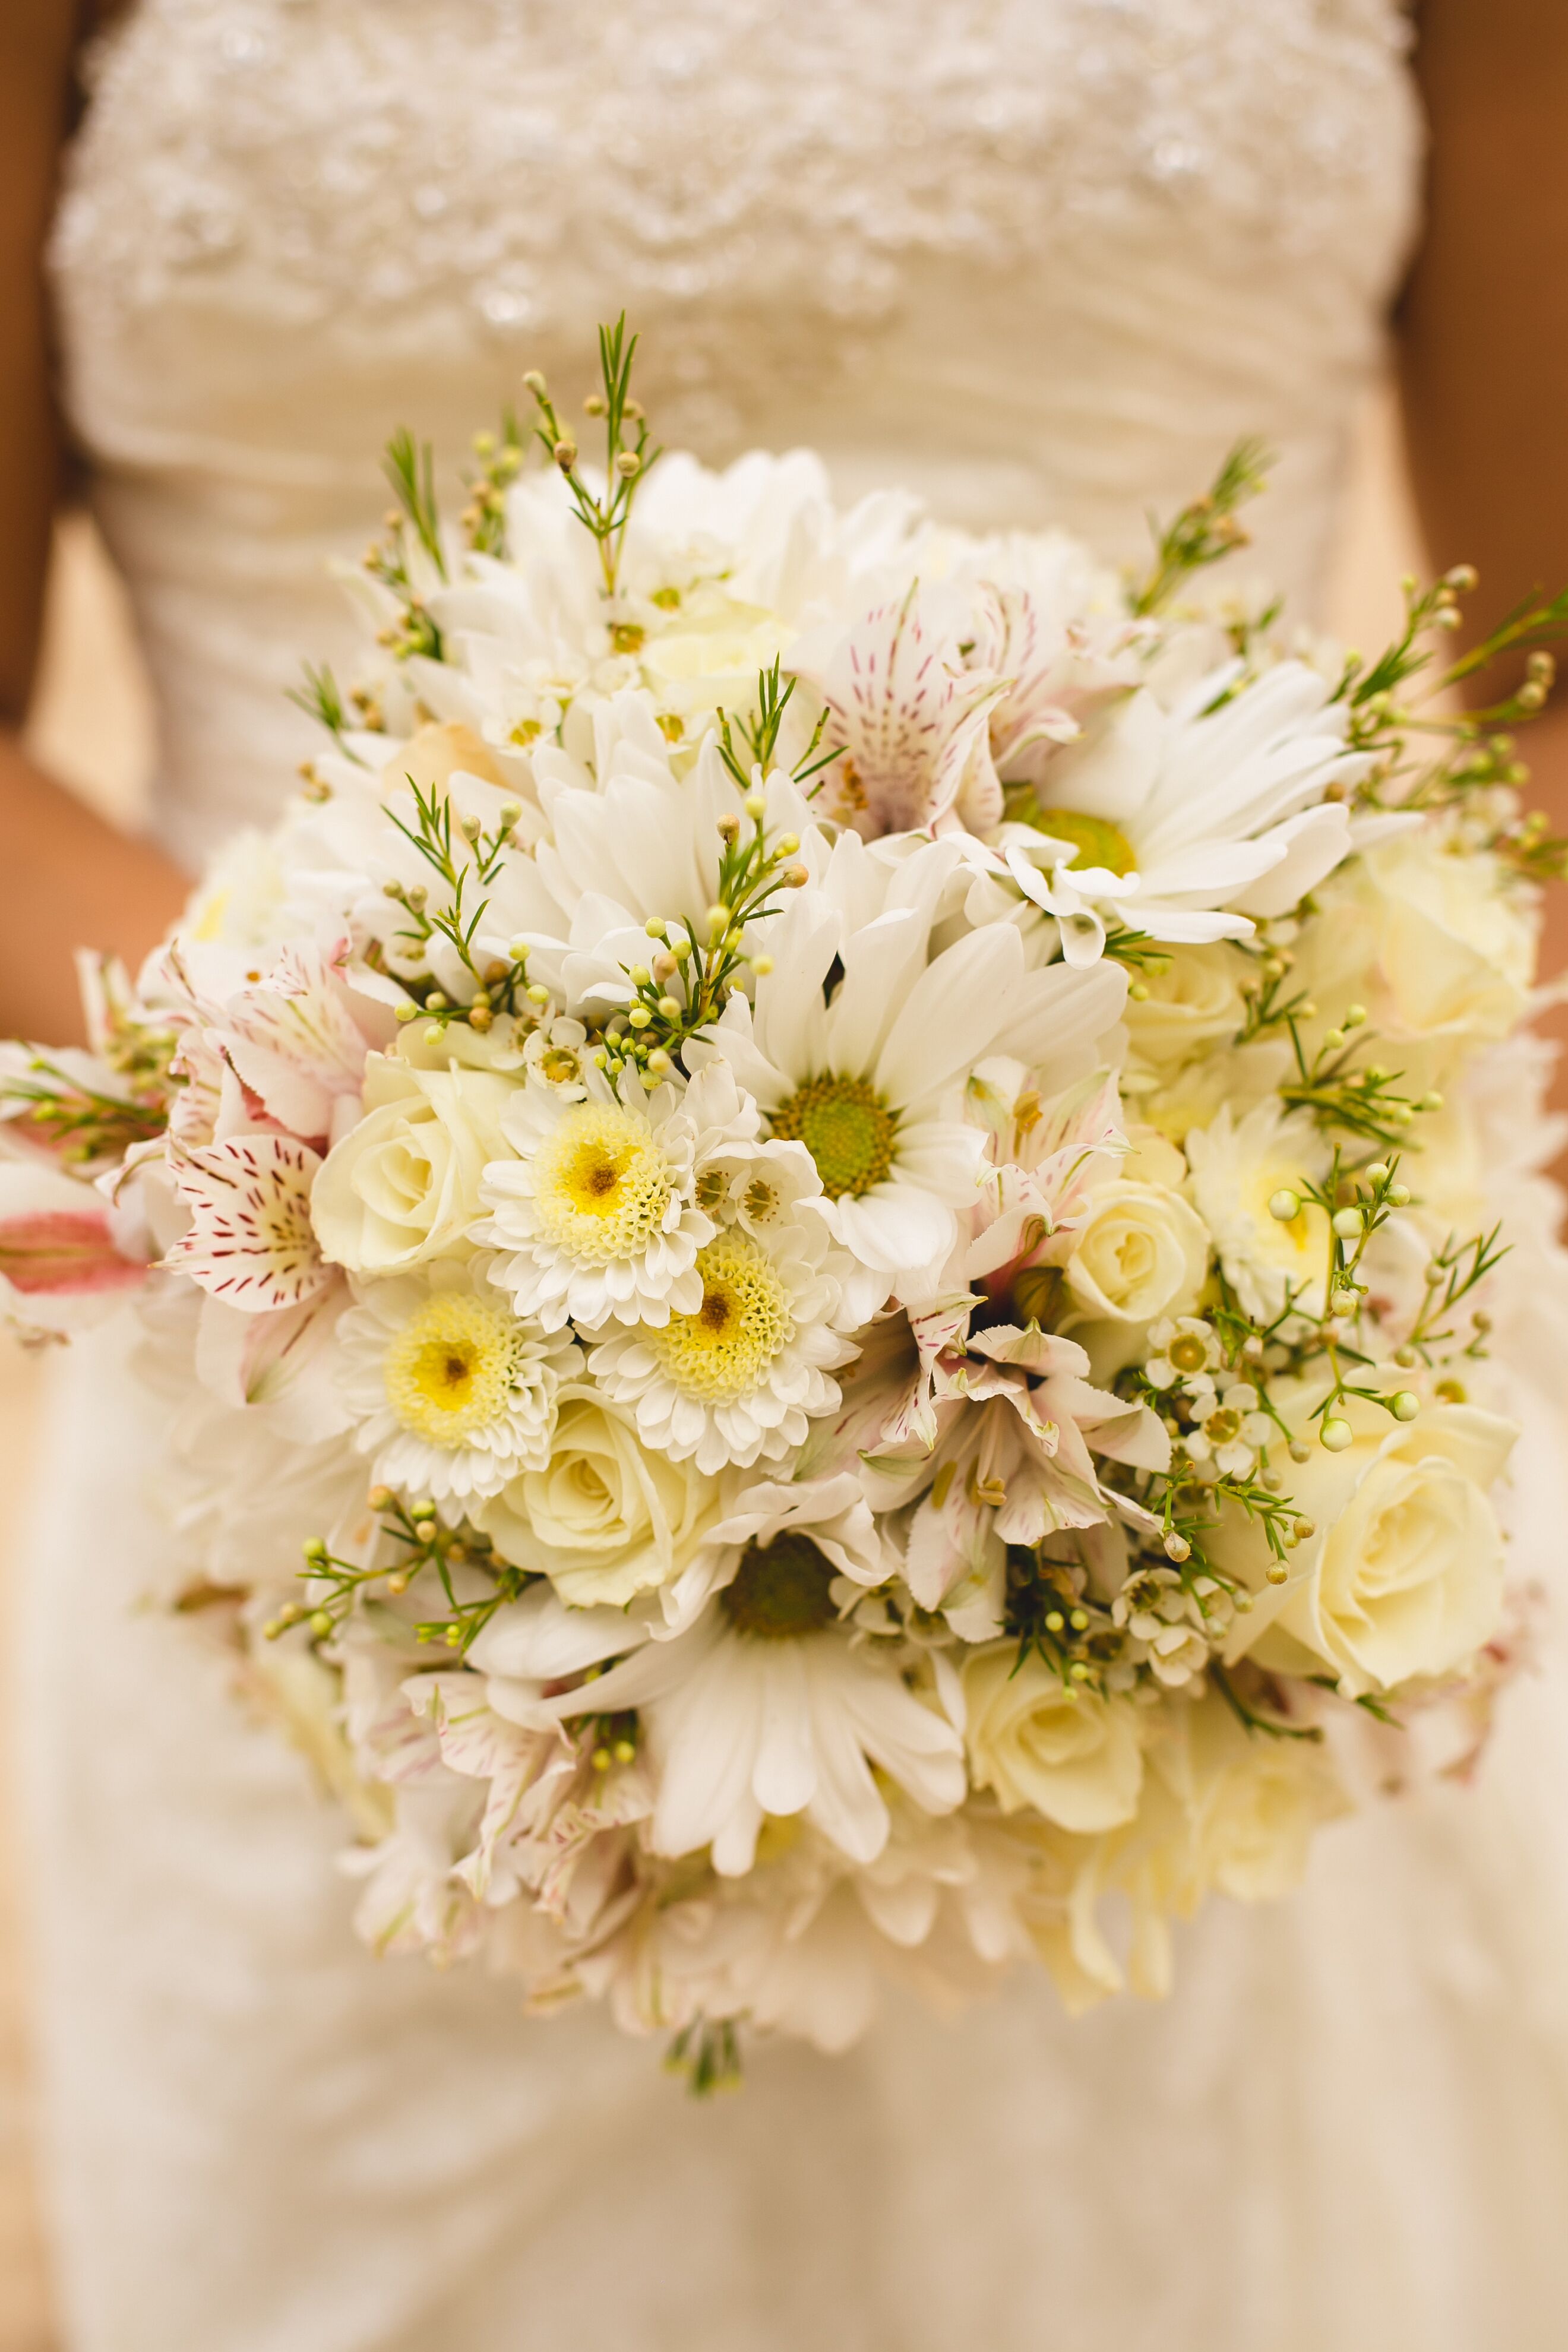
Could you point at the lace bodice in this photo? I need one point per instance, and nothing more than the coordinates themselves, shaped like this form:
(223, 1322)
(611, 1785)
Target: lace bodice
(1039, 259)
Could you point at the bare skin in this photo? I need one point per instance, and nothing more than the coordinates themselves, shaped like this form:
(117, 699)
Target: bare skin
(69, 876)
(1483, 348)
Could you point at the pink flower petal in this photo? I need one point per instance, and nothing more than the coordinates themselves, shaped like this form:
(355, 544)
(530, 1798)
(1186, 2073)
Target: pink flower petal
(251, 1242)
(63, 1253)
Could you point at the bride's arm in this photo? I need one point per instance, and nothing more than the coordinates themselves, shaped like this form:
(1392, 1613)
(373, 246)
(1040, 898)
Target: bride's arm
(65, 875)
(1484, 330)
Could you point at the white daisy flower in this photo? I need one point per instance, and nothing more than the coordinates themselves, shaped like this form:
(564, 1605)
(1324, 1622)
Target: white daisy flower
(861, 1041)
(452, 1394)
(596, 1214)
(1187, 823)
(739, 1375)
(767, 1708)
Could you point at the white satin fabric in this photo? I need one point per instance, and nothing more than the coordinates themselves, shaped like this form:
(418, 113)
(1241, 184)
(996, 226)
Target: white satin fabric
(1041, 260)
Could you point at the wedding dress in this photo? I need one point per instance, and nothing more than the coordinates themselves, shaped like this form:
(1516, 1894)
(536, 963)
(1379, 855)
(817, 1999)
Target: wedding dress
(1041, 260)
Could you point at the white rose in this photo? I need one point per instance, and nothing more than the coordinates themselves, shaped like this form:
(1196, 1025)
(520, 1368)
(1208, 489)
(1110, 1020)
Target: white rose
(605, 1518)
(1254, 1804)
(1076, 1758)
(404, 1186)
(1194, 1002)
(1140, 1253)
(1403, 1578)
(1435, 942)
(711, 657)
(434, 754)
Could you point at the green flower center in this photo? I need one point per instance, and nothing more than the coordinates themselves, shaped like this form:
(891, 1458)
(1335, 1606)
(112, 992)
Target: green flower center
(1187, 1352)
(847, 1127)
(780, 1591)
(1095, 840)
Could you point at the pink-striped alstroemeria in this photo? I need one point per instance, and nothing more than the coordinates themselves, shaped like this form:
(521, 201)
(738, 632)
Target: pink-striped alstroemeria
(286, 1049)
(908, 718)
(60, 1265)
(250, 1241)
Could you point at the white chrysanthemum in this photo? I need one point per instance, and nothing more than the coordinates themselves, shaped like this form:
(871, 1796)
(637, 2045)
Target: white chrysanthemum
(1187, 823)
(453, 1395)
(596, 1214)
(1239, 1166)
(767, 1708)
(737, 1376)
(869, 1077)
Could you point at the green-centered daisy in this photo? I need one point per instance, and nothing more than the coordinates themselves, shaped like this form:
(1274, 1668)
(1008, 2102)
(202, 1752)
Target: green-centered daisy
(864, 1031)
(452, 1394)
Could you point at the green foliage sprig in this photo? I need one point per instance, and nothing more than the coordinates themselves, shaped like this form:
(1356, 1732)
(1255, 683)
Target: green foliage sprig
(334, 1586)
(628, 453)
(698, 962)
(83, 1124)
(759, 736)
(1204, 531)
(707, 2053)
(500, 462)
(501, 983)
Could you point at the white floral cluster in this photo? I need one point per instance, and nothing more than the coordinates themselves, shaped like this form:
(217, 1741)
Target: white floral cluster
(831, 1192)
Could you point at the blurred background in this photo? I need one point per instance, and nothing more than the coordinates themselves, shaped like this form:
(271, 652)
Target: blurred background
(93, 724)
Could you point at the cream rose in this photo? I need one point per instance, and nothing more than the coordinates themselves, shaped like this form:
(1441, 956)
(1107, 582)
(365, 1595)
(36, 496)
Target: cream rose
(605, 1518)
(1076, 1758)
(1255, 1805)
(710, 657)
(1435, 942)
(1403, 1578)
(433, 754)
(404, 1186)
(1140, 1253)
(1194, 1002)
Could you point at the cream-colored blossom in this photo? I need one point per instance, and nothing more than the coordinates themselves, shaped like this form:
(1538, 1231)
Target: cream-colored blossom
(1035, 1740)
(1402, 1579)
(605, 1517)
(402, 1187)
(1140, 1251)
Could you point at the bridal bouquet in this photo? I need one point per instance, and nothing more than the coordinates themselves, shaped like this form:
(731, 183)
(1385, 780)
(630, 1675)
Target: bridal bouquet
(821, 1232)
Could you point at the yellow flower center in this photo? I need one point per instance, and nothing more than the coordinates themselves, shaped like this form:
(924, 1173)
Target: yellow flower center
(780, 1591)
(600, 1185)
(1095, 840)
(1222, 1426)
(1188, 1353)
(847, 1127)
(452, 1368)
(721, 1352)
